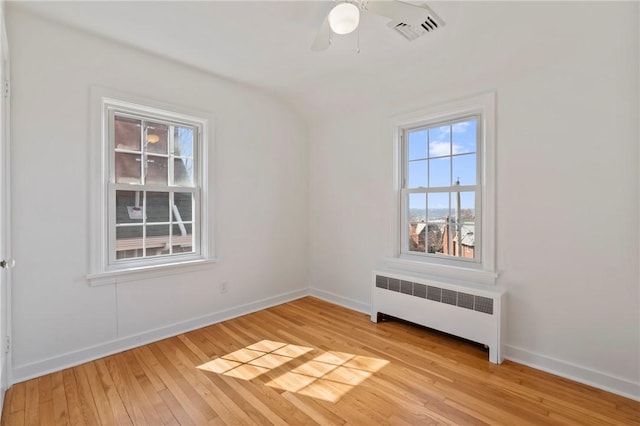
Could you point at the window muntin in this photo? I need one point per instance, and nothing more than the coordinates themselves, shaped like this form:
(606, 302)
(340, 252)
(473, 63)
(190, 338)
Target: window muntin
(441, 190)
(154, 188)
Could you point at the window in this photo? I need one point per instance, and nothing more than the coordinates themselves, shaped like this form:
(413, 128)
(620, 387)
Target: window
(445, 187)
(150, 195)
(441, 190)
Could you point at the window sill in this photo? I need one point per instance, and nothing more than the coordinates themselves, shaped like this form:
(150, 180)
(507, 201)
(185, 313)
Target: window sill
(447, 273)
(145, 272)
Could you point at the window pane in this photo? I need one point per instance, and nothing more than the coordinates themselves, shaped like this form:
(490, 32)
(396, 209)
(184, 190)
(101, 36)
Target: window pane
(417, 226)
(157, 240)
(156, 173)
(156, 137)
(417, 176)
(459, 236)
(417, 207)
(417, 145)
(439, 141)
(467, 228)
(438, 211)
(126, 133)
(183, 207)
(129, 206)
(126, 232)
(183, 171)
(440, 172)
(128, 242)
(467, 205)
(183, 238)
(438, 205)
(183, 141)
(157, 207)
(464, 169)
(182, 230)
(434, 237)
(127, 168)
(464, 136)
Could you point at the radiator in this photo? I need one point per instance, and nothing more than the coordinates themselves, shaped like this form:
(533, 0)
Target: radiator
(475, 314)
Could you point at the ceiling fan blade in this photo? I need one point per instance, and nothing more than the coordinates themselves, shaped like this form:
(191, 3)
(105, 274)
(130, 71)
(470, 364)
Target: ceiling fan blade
(399, 12)
(323, 38)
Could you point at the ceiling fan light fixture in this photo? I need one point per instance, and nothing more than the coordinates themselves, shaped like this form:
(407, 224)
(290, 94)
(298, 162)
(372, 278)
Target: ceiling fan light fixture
(344, 18)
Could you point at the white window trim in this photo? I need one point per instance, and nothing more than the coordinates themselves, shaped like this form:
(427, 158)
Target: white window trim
(483, 272)
(100, 270)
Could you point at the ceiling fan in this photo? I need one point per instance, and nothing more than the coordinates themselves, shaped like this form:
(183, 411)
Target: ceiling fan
(409, 20)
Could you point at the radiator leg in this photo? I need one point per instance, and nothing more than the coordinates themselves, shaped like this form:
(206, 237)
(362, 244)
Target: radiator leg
(377, 317)
(495, 356)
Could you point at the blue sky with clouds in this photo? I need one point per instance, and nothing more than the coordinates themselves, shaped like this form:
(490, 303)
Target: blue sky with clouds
(437, 157)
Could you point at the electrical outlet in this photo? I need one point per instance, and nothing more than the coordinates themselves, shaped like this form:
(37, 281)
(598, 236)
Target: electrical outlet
(224, 287)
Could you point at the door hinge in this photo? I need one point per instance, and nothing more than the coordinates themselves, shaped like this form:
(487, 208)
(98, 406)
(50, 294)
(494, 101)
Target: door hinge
(6, 88)
(7, 344)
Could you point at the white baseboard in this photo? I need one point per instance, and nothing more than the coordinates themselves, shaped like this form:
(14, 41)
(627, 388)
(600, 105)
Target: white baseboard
(25, 372)
(346, 302)
(574, 372)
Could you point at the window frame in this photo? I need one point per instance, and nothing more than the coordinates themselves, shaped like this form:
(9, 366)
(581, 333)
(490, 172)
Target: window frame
(483, 270)
(104, 268)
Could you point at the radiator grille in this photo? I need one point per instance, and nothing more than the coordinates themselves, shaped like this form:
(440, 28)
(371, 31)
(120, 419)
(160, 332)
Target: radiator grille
(434, 293)
(437, 294)
(420, 290)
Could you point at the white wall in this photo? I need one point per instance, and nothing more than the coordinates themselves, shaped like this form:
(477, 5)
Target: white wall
(260, 200)
(567, 188)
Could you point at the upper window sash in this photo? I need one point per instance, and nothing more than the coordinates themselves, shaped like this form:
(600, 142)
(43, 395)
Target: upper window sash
(170, 153)
(428, 125)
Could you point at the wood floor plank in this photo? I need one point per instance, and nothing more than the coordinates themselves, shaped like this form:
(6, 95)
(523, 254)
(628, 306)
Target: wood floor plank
(32, 403)
(197, 409)
(138, 405)
(103, 407)
(17, 404)
(146, 389)
(60, 408)
(166, 404)
(131, 408)
(76, 417)
(85, 397)
(47, 413)
(309, 362)
(6, 409)
(176, 409)
(120, 414)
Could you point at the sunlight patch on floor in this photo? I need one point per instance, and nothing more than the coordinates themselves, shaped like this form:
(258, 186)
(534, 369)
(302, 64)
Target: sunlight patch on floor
(328, 376)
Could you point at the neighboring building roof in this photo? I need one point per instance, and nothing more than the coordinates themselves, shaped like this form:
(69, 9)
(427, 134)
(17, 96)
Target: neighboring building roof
(467, 233)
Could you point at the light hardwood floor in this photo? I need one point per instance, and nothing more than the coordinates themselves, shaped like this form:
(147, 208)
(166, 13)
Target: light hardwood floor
(309, 362)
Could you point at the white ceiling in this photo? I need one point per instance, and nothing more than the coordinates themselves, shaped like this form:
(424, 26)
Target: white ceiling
(265, 44)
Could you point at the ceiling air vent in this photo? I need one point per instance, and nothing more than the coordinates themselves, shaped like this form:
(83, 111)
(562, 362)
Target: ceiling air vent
(410, 32)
